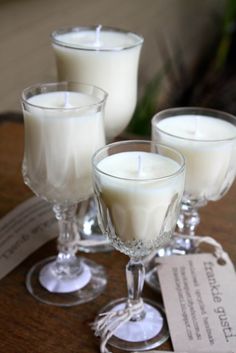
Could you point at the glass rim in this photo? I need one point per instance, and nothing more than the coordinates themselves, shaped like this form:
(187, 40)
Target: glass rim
(144, 142)
(57, 84)
(71, 29)
(187, 110)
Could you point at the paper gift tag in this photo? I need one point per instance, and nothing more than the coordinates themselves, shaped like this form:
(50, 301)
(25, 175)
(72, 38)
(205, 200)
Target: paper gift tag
(199, 296)
(23, 230)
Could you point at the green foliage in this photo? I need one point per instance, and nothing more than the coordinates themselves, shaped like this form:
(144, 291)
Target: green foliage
(147, 106)
(228, 25)
(203, 88)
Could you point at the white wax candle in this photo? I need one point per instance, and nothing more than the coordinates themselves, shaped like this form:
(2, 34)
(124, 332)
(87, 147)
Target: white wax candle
(59, 143)
(138, 201)
(107, 59)
(208, 145)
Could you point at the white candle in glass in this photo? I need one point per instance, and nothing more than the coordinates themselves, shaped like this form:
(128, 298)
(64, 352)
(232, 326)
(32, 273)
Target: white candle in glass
(107, 58)
(208, 145)
(61, 134)
(134, 188)
(139, 187)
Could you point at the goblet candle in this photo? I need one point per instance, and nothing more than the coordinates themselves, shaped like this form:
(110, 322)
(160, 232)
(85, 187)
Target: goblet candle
(58, 118)
(139, 186)
(108, 58)
(207, 139)
(105, 57)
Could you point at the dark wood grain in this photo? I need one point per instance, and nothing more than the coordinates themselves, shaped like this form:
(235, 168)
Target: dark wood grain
(27, 326)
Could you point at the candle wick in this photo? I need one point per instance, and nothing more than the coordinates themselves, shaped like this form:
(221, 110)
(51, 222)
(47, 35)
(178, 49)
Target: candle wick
(66, 100)
(139, 165)
(97, 38)
(196, 127)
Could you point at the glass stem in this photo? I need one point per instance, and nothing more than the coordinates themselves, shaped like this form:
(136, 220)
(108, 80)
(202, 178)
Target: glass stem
(67, 263)
(188, 220)
(135, 275)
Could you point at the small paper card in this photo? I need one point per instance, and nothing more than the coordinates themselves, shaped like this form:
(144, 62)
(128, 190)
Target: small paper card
(200, 300)
(23, 230)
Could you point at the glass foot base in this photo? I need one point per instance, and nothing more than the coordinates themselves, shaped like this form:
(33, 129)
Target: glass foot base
(147, 333)
(61, 284)
(94, 282)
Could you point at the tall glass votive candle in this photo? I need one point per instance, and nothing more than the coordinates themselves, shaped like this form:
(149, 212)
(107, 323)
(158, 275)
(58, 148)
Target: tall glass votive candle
(105, 57)
(58, 117)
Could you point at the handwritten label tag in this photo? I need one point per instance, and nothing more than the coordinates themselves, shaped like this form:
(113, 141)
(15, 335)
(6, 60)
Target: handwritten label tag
(23, 230)
(199, 297)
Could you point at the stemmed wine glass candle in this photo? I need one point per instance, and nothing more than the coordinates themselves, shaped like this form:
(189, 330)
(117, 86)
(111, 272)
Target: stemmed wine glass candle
(207, 139)
(63, 128)
(138, 185)
(108, 58)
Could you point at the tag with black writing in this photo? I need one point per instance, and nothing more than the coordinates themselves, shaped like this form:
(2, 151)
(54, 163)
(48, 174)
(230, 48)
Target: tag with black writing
(23, 230)
(199, 295)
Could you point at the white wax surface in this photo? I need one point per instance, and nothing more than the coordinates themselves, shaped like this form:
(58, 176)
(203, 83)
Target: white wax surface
(63, 100)
(198, 127)
(210, 162)
(105, 40)
(113, 70)
(59, 144)
(138, 204)
(138, 165)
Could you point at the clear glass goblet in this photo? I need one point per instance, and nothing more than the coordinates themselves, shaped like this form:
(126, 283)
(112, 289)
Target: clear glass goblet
(207, 139)
(58, 119)
(106, 57)
(139, 186)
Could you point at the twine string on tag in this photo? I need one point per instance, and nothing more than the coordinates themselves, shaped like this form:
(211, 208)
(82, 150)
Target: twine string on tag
(219, 252)
(107, 323)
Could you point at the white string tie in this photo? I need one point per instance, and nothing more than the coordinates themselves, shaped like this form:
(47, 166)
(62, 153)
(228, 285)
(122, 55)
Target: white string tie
(107, 323)
(199, 239)
(218, 249)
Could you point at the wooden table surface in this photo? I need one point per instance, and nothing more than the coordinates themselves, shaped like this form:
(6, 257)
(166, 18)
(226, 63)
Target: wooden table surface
(27, 326)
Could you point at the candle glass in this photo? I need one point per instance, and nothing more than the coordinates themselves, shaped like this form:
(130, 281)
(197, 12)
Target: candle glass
(108, 58)
(207, 139)
(58, 118)
(138, 209)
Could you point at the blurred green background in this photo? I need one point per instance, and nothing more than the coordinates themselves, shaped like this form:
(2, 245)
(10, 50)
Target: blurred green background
(212, 82)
